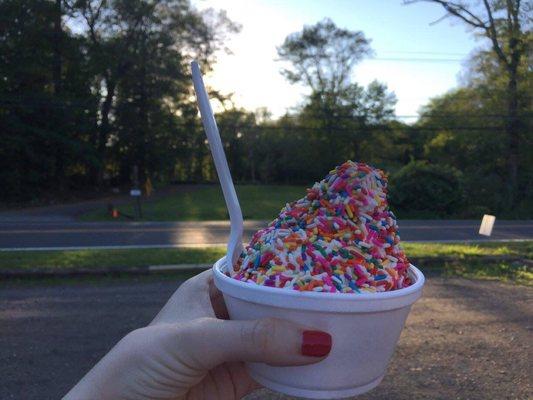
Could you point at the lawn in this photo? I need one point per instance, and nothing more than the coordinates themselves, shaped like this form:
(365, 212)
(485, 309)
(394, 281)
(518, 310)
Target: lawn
(469, 250)
(485, 260)
(205, 202)
(73, 259)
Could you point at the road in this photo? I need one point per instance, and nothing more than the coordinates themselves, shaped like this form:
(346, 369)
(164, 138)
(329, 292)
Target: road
(63, 234)
(465, 339)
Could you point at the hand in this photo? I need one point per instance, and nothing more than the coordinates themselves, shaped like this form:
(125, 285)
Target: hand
(191, 351)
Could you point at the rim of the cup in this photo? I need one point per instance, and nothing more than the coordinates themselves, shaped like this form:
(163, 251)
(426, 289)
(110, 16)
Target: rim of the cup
(419, 280)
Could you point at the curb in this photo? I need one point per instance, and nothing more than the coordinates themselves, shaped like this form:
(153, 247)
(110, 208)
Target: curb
(160, 269)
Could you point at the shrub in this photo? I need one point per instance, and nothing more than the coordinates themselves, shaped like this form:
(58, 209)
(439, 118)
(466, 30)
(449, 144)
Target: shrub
(426, 189)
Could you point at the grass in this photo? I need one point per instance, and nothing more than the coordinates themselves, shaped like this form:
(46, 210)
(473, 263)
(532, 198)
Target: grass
(75, 259)
(97, 280)
(202, 203)
(481, 260)
(470, 250)
(516, 271)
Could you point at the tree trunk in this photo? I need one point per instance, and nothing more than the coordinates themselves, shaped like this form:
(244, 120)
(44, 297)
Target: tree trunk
(104, 129)
(512, 125)
(143, 117)
(251, 157)
(198, 173)
(105, 126)
(512, 133)
(59, 173)
(56, 71)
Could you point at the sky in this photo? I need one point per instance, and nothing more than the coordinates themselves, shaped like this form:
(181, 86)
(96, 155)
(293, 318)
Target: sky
(401, 35)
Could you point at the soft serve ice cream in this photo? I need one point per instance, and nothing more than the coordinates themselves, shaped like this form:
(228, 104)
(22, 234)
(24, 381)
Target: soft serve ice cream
(341, 237)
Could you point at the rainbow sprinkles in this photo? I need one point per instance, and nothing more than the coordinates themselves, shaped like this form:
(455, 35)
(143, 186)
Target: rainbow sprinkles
(341, 237)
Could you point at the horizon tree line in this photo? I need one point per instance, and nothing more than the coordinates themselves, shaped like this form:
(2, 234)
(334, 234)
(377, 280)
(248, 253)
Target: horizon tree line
(92, 88)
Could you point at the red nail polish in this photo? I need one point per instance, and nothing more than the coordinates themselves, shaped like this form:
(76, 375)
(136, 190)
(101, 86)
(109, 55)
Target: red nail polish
(316, 343)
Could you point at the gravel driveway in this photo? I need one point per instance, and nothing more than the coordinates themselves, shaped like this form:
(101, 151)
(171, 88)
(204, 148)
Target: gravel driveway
(464, 339)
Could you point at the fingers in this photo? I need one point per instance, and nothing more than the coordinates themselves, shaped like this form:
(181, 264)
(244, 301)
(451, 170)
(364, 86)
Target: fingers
(210, 342)
(226, 381)
(190, 301)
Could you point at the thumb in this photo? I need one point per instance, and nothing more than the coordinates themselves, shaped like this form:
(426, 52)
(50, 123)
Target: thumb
(209, 342)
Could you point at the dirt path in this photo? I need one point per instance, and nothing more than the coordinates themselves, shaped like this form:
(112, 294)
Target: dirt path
(463, 340)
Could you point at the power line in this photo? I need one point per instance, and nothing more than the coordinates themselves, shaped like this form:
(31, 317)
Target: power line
(437, 53)
(405, 59)
(381, 127)
(52, 103)
(429, 115)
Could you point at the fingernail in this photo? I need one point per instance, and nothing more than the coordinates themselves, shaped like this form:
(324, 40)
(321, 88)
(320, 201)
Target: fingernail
(316, 343)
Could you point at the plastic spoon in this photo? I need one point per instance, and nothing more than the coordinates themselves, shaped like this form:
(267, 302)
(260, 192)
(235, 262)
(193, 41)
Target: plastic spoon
(215, 144)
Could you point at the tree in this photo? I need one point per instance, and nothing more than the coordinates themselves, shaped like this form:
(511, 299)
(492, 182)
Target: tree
(46, 105)
(89, 88)
(323, 56)
(337, 111)
(141, 52)
(426, 189)
(458, 130)
(463, 128)
(503, 23)
(377, 104)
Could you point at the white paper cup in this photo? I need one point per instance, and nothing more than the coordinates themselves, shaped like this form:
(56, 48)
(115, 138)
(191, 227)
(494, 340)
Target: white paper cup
(364, 328)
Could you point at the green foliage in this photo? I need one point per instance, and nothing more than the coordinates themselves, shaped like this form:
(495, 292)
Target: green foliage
(422, 187)
(488, 122)
(469, 128)
(45, 119)
(474, 139)
(322, 56)
(91, 88)
(339, 116)
(84, 101)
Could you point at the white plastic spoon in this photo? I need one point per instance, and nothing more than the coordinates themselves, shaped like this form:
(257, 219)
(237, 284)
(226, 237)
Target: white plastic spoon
(215, 144)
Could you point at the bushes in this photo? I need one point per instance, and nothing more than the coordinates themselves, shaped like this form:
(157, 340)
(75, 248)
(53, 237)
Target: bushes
(424, 189)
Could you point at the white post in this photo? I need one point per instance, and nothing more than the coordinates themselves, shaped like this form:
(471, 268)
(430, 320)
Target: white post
(487, 223)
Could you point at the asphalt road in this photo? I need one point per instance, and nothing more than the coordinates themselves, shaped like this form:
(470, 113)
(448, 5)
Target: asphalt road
(463, 340)
(37, 235)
